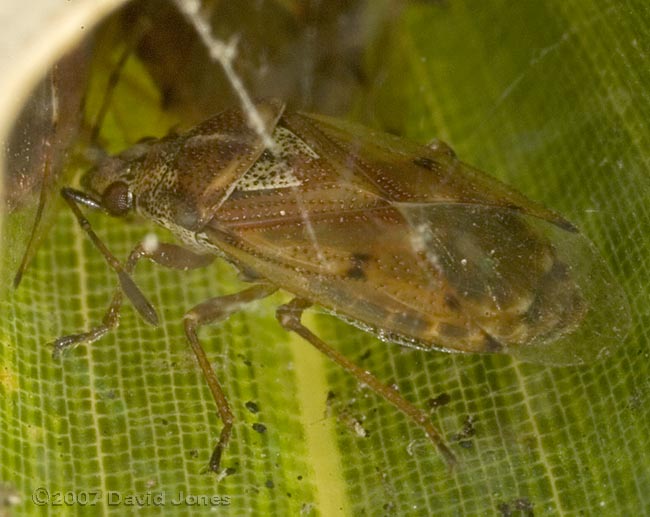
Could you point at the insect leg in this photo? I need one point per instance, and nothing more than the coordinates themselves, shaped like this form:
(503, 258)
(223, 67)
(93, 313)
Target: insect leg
(289, 316)
(212, 311)
(132, 291)
(167, 255)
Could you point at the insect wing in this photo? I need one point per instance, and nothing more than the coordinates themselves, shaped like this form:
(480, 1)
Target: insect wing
(409, 174)
(404, 171)
(436, 261)
(606, 319)
(463, 278)
(542, 292)
(360, 264)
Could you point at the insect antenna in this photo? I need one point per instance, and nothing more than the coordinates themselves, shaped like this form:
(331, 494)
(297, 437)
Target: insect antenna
(45, 184)
(132, 291)
(31, 244)
(136, 34)
(95, 153)
(47, 179)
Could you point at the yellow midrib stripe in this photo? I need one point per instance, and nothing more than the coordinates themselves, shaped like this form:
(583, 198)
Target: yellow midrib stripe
(331, 497)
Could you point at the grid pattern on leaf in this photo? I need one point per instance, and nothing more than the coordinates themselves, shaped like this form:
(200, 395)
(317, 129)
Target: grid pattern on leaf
(551, 97)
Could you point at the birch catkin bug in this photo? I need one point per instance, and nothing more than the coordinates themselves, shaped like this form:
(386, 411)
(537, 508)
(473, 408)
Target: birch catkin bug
(401, 240)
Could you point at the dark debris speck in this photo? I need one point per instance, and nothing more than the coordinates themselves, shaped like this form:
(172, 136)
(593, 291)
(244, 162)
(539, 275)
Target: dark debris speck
(441, 400)
(252, 407)
(260, 428)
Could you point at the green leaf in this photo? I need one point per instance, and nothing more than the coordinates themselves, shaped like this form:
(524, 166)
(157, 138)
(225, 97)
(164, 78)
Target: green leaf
(549, 97)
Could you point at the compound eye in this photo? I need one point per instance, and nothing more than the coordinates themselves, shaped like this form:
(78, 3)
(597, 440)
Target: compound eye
(117, 199)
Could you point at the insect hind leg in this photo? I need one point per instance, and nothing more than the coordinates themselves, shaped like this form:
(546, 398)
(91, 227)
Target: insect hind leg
(215, 310)
(289, 316)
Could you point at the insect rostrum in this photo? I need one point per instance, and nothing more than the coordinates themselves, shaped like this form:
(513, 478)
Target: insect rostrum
(402, 240)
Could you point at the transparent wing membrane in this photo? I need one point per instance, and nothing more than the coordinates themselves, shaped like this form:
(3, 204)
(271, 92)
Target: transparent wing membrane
(543, 293)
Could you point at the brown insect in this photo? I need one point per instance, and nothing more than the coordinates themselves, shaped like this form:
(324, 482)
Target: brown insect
(401, 240)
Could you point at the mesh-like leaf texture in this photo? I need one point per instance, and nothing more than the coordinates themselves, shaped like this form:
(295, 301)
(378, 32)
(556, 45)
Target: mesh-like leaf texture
(549, 96)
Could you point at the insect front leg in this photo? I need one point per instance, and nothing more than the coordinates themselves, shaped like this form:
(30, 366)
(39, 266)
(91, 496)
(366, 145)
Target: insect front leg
(167, 255)
(212, 311)
(289, 316)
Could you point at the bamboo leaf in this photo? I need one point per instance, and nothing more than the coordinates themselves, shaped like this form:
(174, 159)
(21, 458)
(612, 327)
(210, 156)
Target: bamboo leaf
(549, 97)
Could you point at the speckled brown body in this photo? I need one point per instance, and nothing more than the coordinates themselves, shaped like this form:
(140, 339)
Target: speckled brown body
(402, 240)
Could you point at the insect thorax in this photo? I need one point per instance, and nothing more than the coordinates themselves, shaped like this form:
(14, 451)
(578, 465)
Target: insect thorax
(159, 179)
